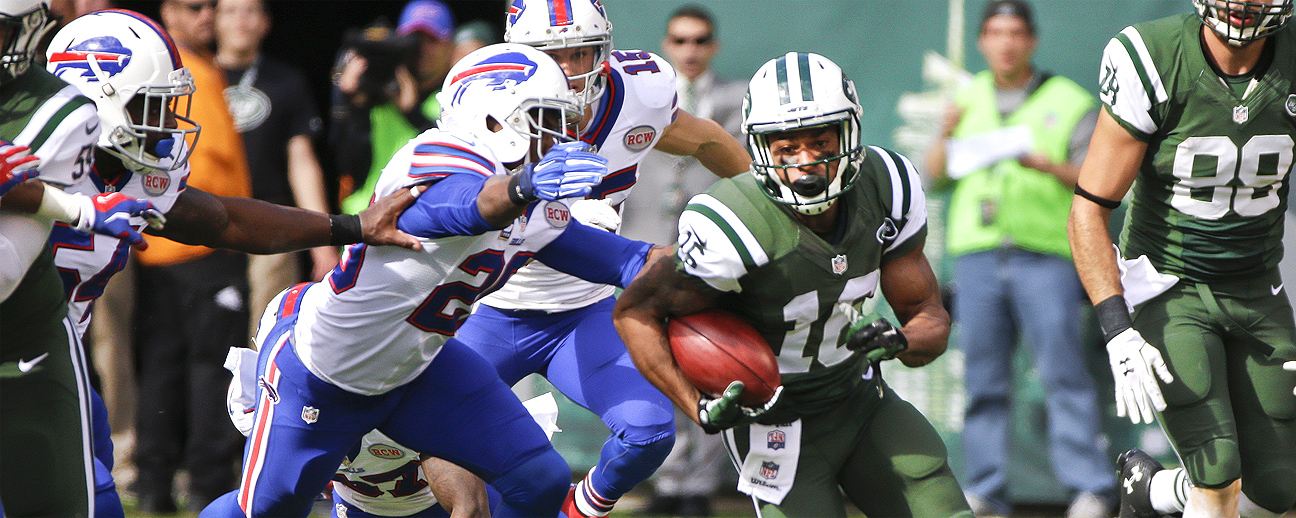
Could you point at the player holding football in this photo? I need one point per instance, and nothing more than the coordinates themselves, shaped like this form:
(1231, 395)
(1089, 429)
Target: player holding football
(550, 323)
(799, 249)
(1201, 110)
(374, 347)
(140, 150)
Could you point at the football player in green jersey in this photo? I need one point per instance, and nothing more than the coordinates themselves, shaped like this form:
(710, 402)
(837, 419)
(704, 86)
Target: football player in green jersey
(1201, 110)
(800, 248)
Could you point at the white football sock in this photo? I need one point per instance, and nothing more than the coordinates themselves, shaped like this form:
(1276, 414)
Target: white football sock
(1169, 490)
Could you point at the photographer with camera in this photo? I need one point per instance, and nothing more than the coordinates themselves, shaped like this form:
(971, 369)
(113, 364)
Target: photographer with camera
(386, 84)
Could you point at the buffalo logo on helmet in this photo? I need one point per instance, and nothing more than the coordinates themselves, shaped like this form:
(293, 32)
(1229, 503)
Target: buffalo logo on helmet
(101, 54)
(776, 440)
(502, 70)
(515, 11)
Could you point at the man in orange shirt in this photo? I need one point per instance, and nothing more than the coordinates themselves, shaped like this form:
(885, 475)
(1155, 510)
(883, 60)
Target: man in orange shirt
(191, 303)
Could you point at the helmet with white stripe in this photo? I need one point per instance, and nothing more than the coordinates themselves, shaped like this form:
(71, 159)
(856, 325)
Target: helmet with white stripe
(519, 89)
(22, 24)
(797, 91)
(565, 24)
(125, 62)
(1240, 22)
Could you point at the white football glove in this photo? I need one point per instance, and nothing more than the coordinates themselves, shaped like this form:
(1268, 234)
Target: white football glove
(1291, 366)
(597, 214)
(1133, 362)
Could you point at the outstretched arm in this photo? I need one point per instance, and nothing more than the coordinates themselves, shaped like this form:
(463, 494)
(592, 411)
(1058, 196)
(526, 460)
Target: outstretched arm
(640, 316)
(910, 288)
(707, 141)
(258, 227)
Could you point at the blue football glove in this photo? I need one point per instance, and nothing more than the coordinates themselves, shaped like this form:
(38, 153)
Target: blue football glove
(724, 412)
(879, 340)
(17, 165)
(568, 170)
(109, 214)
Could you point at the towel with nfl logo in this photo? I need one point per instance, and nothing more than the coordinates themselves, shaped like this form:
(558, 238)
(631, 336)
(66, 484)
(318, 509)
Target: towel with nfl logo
(770, 467)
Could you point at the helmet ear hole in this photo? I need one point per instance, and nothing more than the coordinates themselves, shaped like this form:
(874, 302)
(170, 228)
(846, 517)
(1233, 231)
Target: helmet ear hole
(493, 125)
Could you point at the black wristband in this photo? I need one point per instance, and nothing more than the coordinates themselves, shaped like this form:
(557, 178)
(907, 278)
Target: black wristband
(344, 229)
(1102, 202)
(1113, 316)
(517, 187)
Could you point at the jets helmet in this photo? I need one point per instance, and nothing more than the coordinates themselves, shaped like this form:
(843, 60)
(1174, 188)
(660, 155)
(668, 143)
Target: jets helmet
(563, 24)
(123, 60)
(797, 91)
(519, 89)
(22, 24)
(1255, 19)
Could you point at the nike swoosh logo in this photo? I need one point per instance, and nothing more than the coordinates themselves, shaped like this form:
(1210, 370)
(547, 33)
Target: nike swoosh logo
(1276, 289)
(25, 366)
(90, 129)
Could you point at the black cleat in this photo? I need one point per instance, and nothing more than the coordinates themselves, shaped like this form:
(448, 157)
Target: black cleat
(1136, 468)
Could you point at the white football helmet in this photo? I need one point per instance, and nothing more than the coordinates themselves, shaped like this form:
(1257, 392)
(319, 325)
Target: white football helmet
(796, 91)
(123, 60)
(1267, 16)
(516, 86)
(562, 24)
(22, 25)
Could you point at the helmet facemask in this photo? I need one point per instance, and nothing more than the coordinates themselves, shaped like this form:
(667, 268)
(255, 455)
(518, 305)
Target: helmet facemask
(1255, 19)
(20, 34)
(137, 116)
(545, 122)
(550, 26)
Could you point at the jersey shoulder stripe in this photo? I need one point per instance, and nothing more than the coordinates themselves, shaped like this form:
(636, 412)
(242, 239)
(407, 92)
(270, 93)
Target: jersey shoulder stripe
(908, 210)
(609, 111)
(57, 118)
(749, 249)
(442, 158)
(1131, 84)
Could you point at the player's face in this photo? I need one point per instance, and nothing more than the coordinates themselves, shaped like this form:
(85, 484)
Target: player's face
(151, 114)
(1007, 44)
(690, 45)
(575, 61)
(804, 147)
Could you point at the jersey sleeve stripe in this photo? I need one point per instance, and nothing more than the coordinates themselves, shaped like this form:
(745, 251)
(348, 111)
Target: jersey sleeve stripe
(49, 116)
(58, 117)
(438, 171)
(748, 247)
(1133, 41)
(422, 151)
(908, 202)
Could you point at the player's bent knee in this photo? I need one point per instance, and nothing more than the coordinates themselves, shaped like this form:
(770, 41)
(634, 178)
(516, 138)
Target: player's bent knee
(537, 485)
(1272, 490)
(1215, 464)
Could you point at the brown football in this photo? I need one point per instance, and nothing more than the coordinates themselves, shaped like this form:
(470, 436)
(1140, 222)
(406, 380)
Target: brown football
(715, 347)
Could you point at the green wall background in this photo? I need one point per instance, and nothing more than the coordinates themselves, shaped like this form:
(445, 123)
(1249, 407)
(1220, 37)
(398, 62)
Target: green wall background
(880, 43)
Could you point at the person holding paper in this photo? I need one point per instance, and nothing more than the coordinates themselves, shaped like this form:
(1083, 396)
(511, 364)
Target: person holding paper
(1013, 275)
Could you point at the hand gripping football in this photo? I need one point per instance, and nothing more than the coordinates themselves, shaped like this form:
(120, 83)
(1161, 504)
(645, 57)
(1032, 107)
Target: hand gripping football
(715, 347)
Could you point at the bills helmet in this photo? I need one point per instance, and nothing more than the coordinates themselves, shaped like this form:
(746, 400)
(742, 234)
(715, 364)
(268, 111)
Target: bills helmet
(1241, 22)
(516, 87)
(129, 66)
(797, 91)
(22, 24)
(563, 24)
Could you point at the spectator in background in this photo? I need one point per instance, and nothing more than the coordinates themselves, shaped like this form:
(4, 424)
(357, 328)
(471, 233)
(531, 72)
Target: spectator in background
(275, 114)
(688, 479)
(472, 36)
(1013, 274)
(690, 44)
(192, 303)
(372, 122)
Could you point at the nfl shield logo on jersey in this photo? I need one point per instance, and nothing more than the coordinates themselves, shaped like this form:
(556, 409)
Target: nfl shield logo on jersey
(310, 414)
(776, 440)
(769, 470)
(1241, 114)
(839, 264)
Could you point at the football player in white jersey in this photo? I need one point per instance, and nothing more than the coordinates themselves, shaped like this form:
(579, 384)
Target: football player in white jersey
(374, 346)
(549, 323)
(381, 477)
(140, 149)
